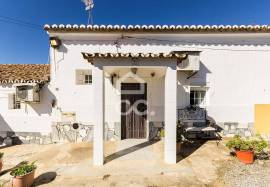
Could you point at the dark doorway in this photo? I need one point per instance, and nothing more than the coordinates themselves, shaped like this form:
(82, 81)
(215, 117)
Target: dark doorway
(133, 110)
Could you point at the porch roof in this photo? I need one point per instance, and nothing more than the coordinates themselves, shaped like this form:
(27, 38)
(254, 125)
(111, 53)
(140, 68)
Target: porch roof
(90, 56)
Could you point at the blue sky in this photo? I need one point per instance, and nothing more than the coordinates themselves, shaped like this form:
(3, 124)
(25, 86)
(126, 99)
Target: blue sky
(19, 44)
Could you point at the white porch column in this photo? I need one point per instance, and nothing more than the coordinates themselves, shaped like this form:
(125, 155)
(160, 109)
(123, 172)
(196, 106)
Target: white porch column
(170, 114)
(98, 103)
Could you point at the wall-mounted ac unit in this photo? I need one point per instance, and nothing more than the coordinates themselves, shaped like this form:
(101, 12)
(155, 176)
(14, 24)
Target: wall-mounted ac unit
(28, 93)
(191, 63)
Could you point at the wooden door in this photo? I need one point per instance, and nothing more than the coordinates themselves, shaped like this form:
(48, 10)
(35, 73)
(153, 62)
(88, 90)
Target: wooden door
(134, 109)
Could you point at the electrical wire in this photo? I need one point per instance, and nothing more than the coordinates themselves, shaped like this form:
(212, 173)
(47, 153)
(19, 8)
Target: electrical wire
(198, 43)
(11, 20)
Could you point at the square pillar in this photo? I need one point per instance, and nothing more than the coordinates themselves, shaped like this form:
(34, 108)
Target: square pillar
(170, 114)
(98, 103)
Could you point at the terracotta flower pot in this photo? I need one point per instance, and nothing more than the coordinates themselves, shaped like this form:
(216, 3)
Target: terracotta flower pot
(246, 157)
(1, 164)
(24, 181)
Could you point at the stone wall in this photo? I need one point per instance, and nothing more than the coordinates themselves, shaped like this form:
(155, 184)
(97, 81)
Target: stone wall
(60, 133)
(71, 132)
(230, 129)
(15, 138)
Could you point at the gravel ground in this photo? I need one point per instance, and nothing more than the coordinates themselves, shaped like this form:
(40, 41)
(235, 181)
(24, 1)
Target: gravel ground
(236, 174)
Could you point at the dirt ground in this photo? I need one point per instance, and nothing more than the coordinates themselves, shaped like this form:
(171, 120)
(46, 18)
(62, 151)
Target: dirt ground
(128, 163)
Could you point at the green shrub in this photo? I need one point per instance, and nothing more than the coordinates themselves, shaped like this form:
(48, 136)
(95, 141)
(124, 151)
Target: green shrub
(256, 144)
(23, 169)
(1, 155)
(180, 132)
(162, 133)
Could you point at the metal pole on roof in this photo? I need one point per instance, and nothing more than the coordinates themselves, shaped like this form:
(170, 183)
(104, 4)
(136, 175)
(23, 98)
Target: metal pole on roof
(90, 17)
(89, 5)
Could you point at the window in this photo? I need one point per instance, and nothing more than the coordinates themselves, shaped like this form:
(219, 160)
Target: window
(87, 79)
(13, 103)
(16, 103)
(197, 97)
(83, 77)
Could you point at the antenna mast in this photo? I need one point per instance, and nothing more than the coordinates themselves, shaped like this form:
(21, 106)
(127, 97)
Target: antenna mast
(89, 5)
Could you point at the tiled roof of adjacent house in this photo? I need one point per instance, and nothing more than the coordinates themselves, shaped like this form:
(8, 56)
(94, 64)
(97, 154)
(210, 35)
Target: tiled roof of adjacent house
(24, 73)
(157, 28)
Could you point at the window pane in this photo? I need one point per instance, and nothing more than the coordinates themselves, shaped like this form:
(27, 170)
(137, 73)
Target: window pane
(191, 102)
(197, 94)
(197, 97)
(202, 94)
(192, 94)
(88, 79)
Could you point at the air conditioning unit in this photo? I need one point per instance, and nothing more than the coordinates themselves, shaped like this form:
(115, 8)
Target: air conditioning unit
(28, 93)
(191, 63)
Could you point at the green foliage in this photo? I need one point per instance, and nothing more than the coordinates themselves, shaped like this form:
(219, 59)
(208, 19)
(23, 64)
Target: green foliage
(23, 169)
(180, 132)
(1, 155)
(257, 144)
(162, 133)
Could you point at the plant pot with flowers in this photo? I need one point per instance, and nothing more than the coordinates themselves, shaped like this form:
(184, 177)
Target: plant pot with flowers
(246, 148)
(1, 161)
(23, 175)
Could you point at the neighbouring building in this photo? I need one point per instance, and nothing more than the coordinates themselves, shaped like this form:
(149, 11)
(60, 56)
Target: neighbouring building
(118, 82)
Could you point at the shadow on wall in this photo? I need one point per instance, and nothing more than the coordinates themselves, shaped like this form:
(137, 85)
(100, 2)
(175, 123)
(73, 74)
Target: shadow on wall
(7, 135)
(188, 41)
(198, 80)
(46, 101)
(5, 130)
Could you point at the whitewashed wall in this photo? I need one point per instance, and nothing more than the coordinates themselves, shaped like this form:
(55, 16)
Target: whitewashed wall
(31, 117)
(234, 68)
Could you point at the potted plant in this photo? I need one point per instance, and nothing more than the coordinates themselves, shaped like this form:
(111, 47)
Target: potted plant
(1, 161)
(23, 176)
(245, 149)
(180, 131)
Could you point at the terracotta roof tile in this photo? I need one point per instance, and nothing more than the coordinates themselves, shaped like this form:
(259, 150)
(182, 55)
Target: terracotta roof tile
(158, 28)
(18, 73)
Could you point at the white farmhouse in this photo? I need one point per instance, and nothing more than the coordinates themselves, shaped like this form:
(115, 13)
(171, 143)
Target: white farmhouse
(119, 82)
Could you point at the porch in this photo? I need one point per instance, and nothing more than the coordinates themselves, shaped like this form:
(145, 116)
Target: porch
(104, 68)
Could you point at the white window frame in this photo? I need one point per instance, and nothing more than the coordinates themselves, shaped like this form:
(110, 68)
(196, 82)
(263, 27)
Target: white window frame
(80, 76)
(14, 104)
(205, 101)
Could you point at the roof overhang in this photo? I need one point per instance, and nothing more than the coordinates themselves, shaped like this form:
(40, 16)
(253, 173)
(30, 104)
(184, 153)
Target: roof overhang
(159, 28)
(175, 54)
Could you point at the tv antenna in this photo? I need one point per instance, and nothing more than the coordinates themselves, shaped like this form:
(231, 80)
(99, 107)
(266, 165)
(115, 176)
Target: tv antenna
(89, 5)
